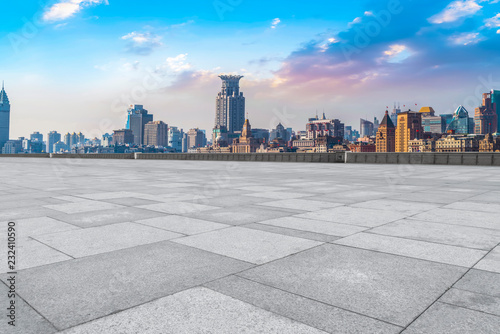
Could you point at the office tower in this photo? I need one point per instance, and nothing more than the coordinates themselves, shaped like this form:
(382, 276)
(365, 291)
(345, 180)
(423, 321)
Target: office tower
(485, 117)
(445, 121)
(156, 134)
(376, 123)
(184, 143)
(386, 135)
(123, 137)
(317, 127)
(52, 138)
(348, 133)
(495, 99)
(107, 140)
(279, 132)
(59, 147)
(409, 128)
(36, 136)
(365, 128)
(230, 104)
(461, 122)
(138, 117)
(195, 138)
(394, 114)
(262, 134)
(4, 117)
(430, 122)
(175, 138)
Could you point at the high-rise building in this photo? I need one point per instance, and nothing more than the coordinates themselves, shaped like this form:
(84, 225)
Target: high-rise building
(386, 135)
(279, 132)
(394, 114)
(461, 123)
(485, 117)
(4, 117)
(123, 137)
(175, 138)
(36, 136)
(365, 128)
(52, 138)
(409, 128)
(230, 104)
(430, 122)
(495, 99)
(156, 134)
(138, 117)
(262, 134)
(348, 133)
(196, 138)
(107, 140)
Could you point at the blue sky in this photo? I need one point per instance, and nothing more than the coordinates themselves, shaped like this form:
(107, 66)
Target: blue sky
(75, 65)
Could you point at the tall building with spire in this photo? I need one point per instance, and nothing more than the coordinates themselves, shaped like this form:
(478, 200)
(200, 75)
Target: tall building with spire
(4, 117)
(230, 104)
(386, 135)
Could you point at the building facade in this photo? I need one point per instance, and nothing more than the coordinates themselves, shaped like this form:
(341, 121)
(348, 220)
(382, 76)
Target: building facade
(386, 135)
(457, 143)
(156, 134)
(279, 132)
(365, 128)
(230, 104)
(138, 117)
(175, 138)
(123, 137)
(4, 117)
(430, 122)
(409, 128)
(461, 123)
(485, 116)
(52, 138)
(324, 127)
(196, 138)
(489, 144)
(36, 136)
(246, 143)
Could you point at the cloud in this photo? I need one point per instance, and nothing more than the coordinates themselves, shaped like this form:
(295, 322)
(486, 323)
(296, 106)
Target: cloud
(397, 53)
(142, 43)
(466, 38)
(275, 23)
(67, 8)
(493, 22)
(455, 11)
(177, 64)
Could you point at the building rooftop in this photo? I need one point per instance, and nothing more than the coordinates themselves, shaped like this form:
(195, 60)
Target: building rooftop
(145, 246)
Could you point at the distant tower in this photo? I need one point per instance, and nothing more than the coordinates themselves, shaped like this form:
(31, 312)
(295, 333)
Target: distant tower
(4, 117)
(230, 104)
(386, 135)
(137, 118)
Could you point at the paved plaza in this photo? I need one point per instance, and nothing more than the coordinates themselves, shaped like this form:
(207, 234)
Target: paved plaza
(151, 246)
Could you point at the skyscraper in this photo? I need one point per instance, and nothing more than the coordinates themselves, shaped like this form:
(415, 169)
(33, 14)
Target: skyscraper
(175, 138)
(52, 138)
(394, 114)
(196, 138)
(365, 127)
(409, 128)
(36, 136)
(137, 118)
(386, 135)
(156, 134)
(230, 104)
(461, 123)
(495, 99)
(485, 117)
(4, 117)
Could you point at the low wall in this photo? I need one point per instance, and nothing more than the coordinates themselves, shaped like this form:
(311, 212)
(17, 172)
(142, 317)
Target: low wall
(272, 157)
(468, 158)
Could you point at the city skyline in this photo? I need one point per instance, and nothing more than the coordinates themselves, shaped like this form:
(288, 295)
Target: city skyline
(72, 64)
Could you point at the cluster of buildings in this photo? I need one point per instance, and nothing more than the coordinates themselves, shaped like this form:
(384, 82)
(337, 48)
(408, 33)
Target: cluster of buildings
(399, 131)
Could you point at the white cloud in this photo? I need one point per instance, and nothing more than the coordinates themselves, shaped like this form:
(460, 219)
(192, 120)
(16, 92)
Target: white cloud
(493, 22)
(455, 11)
(178, 63)
(355, 21)
(396, 53)
(67, 8)
(142, 43)
(466, 38)
(275, 23)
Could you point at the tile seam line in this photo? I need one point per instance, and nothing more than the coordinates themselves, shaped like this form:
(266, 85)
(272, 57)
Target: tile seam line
(43, 243)
(34, 309)
(420, 240)
(449, 288)
(468, 308)
(314, 300)
(287, 228)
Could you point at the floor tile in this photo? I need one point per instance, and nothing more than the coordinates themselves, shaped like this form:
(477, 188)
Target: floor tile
(247, 244)
(472, 300)
(315, 226)
(460, 217)
(177, 208)
(383, 286)
(181, 224)
(198, 310)
(83, 206)
(300, 204)
(457, 256)
(96, 240)
(490, 262)
(241, 215)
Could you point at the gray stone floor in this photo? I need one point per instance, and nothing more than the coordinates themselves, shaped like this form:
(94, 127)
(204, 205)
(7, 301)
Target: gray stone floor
(144, 246)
